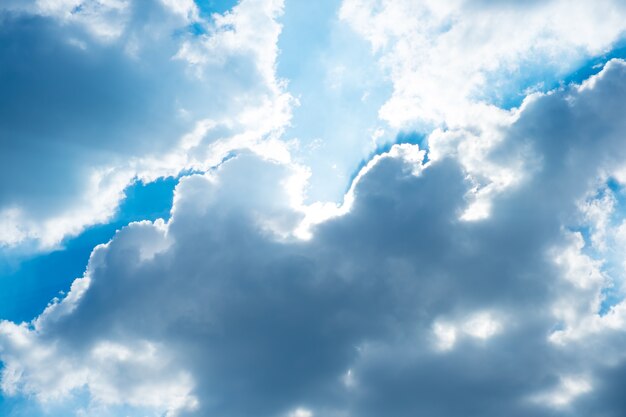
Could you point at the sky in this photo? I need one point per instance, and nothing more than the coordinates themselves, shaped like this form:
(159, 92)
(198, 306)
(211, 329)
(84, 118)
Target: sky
(342, 208)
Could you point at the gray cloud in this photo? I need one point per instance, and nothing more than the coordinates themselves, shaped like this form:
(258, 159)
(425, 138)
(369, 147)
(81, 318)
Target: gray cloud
(81, 107)
(346, 323)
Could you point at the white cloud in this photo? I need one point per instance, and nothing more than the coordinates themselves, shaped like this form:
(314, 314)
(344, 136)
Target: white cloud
(301, 412)
(446, 335)
(569, 388)
(449, 61)
(227, 96)
(482, 326)
(225, 99)
(191, 315)
(249, 301)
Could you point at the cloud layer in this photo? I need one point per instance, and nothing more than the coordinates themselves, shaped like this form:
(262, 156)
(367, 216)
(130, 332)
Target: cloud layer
(400, 306)
(98, 94)
(479, 273)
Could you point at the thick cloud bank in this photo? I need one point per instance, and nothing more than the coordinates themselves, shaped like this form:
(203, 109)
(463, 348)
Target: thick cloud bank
(97, 94)
(443, 288)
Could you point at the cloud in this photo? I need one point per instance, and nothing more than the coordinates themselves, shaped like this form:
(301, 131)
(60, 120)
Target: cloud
(97, 94)
(451, 62)
(395, 306)
(140, 90)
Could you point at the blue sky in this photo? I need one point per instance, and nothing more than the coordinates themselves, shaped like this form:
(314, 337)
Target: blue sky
(29, 282)
(335, 208)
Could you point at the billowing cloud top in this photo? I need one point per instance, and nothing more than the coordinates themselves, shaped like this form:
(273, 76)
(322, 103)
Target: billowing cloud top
(474, 266)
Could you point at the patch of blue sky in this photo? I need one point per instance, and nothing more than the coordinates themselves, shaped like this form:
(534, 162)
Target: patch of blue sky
(196, 29)
(28, 285)
(340, 87)
(619, 194)
(18, 407)
(594, 65)
(612, 261)
(208, 7)
(585, 233)
(537, 78)
(611, 296)
(616, 293)
(22, 406)
(413, 138)
(508, 90)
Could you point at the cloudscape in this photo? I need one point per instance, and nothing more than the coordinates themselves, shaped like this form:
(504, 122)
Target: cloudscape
(341, 208)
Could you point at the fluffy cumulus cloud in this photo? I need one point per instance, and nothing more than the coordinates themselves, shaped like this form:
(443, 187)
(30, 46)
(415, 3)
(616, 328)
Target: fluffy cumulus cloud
(448, 61)
(399, 306)
(479, 273)
(97, 94)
